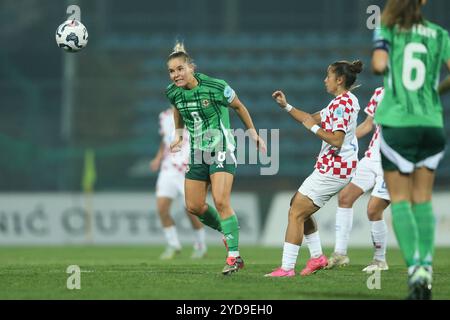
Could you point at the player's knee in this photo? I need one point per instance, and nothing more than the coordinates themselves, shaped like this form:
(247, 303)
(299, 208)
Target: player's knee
(345, 199)
(421, 197)
(298, 215)
(194, 208)
(221, 205)
(374, 214)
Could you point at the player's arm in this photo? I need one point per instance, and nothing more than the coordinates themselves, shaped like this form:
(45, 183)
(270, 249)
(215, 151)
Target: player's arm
(175, 146)
(365, 127)
(381, 48)
(179, 123)
(246, 119)
(444, 86)
(336, 138)
(295, 113)
(316, 117)
(156, 161)
(380, 58)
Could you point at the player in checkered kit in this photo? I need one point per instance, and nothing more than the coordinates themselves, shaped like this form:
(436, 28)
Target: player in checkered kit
(170, 185)
(368, 175)
(335, 164)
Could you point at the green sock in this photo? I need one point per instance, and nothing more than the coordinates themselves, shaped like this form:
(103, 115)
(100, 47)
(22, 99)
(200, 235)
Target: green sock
(230, 227)
(423, 213)
(211, 218)
(405, 228)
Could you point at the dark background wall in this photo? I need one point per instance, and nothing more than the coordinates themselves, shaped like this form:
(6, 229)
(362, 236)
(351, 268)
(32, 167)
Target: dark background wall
(119, 81)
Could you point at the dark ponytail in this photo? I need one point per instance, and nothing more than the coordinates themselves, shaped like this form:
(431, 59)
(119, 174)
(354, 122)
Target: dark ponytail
(348, 70)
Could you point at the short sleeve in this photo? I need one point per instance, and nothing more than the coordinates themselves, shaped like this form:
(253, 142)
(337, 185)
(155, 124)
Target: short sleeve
(228, 93)
(170, 94)
(373, 102)
(342, 112)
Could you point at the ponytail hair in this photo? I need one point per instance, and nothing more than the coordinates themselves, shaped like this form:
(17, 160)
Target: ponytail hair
(179, 51)
(405, 13)
(349, 71)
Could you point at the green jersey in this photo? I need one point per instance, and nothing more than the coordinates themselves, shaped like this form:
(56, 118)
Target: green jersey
(204, 110)
(411, 82)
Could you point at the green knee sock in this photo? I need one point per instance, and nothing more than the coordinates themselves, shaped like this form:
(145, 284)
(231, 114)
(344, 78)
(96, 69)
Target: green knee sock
(405, 228)
(211, 218)
(423, 213)
(230, 227)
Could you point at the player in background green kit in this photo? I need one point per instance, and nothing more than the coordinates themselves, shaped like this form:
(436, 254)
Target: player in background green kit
(202, 103)
(410, 51)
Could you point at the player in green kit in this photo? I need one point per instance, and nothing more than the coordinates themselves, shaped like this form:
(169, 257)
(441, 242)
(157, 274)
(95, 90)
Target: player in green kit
(410, 51)
(202, 103)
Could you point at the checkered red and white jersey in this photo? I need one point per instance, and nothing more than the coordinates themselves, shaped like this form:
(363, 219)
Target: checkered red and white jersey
(177, 160)
(373, 151)
(340, 115)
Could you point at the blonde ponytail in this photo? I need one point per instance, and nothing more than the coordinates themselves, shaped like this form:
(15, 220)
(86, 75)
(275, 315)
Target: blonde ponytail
(179, 48)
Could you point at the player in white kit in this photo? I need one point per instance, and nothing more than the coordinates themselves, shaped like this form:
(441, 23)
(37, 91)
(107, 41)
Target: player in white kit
(335, 125)
(368, 175)
(170, 185)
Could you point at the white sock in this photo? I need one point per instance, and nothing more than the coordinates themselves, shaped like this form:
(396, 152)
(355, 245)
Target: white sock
(344, 222)
(290, 253)
(172, 237)
(200, 242)
(314, 245)
(234, 254)
(378, 230)
(411, 270)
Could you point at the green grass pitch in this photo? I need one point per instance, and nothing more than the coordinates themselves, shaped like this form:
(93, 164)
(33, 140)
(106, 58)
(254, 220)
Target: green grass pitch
(134, 272)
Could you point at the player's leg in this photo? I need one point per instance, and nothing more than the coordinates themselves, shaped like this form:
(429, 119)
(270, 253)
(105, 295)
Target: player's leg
(405, 227)
(420, 278)
(423, 180)
(406, 232)
(195, 198)
(344, 224)
(313, 194)
(430, 153)
(362, 181)
(317, 259)
(300, 210)
(378, 230)
(165, 193)
(169, 228)
(312, 238)
(221, 185)
(200, 248)
(404, 149)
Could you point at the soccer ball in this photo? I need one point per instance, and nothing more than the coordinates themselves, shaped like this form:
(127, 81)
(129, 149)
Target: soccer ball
(72, 36)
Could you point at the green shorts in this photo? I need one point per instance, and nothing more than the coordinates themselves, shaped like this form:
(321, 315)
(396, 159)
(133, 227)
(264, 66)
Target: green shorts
(407, 148)
(203, 164)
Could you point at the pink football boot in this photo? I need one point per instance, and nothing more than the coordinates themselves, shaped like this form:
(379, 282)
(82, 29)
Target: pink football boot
(280, 272)
(314, 264)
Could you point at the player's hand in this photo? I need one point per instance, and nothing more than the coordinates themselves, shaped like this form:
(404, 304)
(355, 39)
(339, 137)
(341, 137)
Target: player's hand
(280, 98)
(309, 122)
(261, 145)
(175, 146)
(154, 164)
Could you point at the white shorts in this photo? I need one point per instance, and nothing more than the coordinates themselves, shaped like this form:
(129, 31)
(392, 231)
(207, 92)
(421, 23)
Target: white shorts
(368, 175)
(170, 184)
(321, 187)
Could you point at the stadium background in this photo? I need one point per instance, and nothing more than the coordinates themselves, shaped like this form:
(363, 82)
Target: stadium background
(54, 106)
